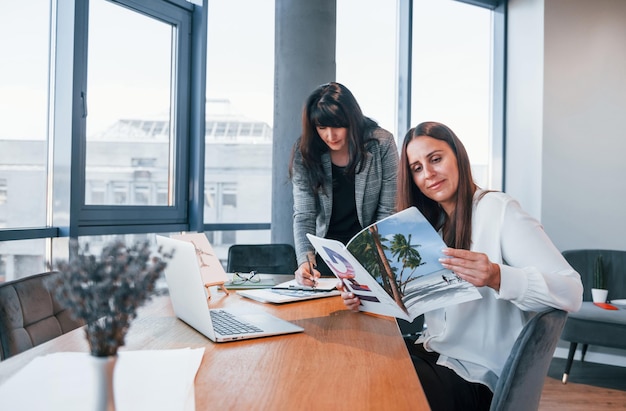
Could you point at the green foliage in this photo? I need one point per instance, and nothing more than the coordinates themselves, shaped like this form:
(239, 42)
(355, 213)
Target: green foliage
(408, 255)
(364, 249)
(599, 277)
(105, 292)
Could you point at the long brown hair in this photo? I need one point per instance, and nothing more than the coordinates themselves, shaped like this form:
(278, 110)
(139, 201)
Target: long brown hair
(457, 229)
(331, 105)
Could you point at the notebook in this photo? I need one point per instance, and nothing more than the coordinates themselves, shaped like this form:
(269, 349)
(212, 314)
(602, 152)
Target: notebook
(291, 291)
(190, 301)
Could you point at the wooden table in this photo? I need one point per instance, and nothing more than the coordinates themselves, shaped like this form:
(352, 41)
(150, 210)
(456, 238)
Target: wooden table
(343, 360)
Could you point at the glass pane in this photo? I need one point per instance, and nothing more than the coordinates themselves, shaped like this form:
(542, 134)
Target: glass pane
(224, 239)
(239, 117)
(129, 123)
(22, 258)
(452, 74)
(366, 56)
(97, 242)
(95, 245)
(24, 44)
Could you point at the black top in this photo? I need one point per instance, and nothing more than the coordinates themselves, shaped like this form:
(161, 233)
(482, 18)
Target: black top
(344, 221)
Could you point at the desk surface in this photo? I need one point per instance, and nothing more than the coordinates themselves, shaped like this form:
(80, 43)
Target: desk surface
(343, 360)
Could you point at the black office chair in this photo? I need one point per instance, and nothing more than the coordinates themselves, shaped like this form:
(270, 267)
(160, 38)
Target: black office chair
(30, 314)
(263, 258)
(521, 383)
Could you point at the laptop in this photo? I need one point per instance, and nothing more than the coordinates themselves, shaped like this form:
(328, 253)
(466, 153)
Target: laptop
(190, 301)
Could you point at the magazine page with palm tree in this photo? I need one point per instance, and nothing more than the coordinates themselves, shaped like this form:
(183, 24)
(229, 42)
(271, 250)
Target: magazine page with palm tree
(393, 267)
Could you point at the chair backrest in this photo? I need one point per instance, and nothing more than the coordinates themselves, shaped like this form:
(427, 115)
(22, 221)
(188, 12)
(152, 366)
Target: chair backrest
(524, 373)
(30, 314)
(613, 262)
(264, 258)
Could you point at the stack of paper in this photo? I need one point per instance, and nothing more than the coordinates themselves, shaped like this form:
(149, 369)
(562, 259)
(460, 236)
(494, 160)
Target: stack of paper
(291, 291)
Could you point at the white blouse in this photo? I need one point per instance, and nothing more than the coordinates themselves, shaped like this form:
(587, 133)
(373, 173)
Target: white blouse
(475, 338)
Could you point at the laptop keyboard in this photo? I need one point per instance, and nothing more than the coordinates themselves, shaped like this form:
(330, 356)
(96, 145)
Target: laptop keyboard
(226, 323)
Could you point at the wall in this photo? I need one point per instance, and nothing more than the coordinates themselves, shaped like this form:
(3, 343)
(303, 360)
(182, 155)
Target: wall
(566, 124)
(565, 118)
(584, 177)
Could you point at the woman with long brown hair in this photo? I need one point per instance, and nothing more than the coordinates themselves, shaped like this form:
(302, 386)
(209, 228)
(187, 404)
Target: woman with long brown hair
(493, 244)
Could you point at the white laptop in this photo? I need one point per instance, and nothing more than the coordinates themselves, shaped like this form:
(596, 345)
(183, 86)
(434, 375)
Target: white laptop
(190, 300)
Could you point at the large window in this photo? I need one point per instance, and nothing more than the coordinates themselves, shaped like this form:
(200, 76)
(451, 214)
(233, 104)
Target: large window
(134, 117)
(366, 56)
(95, 102)
(239, 117)
(451, 79)
(129, 105)
(136, 103)
(24, 43)
(452, 65)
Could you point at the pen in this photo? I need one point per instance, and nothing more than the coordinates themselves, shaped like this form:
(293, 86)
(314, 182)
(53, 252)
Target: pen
(308, 259)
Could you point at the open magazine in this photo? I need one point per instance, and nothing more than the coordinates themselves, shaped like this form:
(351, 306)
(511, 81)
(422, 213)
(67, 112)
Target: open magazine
(393, 267)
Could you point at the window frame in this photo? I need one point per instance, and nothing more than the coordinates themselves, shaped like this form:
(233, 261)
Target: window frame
(497, 142)
(92, 218)
(66, 213)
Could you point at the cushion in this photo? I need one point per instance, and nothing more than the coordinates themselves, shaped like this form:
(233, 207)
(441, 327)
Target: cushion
(30, 314)
(591, 312)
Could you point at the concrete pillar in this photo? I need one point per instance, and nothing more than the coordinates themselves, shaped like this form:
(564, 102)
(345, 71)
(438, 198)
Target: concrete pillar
(304, 58)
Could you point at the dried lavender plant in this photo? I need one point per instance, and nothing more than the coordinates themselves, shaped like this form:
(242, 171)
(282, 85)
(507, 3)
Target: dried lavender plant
(105, 292)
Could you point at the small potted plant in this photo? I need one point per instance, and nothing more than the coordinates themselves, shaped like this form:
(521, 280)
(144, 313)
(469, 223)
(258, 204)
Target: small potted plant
(105, 293)
(599, 292)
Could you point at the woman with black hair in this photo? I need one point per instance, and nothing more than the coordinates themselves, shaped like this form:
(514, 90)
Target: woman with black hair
(343, 169)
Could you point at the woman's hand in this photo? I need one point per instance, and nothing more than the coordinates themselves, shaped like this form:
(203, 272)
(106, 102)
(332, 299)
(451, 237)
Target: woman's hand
(307, 275)
(475, 268)
(351, 301)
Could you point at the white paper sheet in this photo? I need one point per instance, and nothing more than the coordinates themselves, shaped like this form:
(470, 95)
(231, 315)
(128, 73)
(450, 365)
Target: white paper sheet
(291, 291)
(143, 380)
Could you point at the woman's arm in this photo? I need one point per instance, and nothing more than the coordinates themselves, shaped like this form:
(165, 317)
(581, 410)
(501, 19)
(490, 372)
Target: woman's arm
(389, 160)
(535, 273)
(514, 256)
(389, 166)
(305, 210)
(351, 301)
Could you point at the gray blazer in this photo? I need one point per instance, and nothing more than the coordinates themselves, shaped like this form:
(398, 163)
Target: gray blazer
(375, 192)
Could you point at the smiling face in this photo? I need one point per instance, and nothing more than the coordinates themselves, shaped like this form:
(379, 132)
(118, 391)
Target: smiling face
(434, 170)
